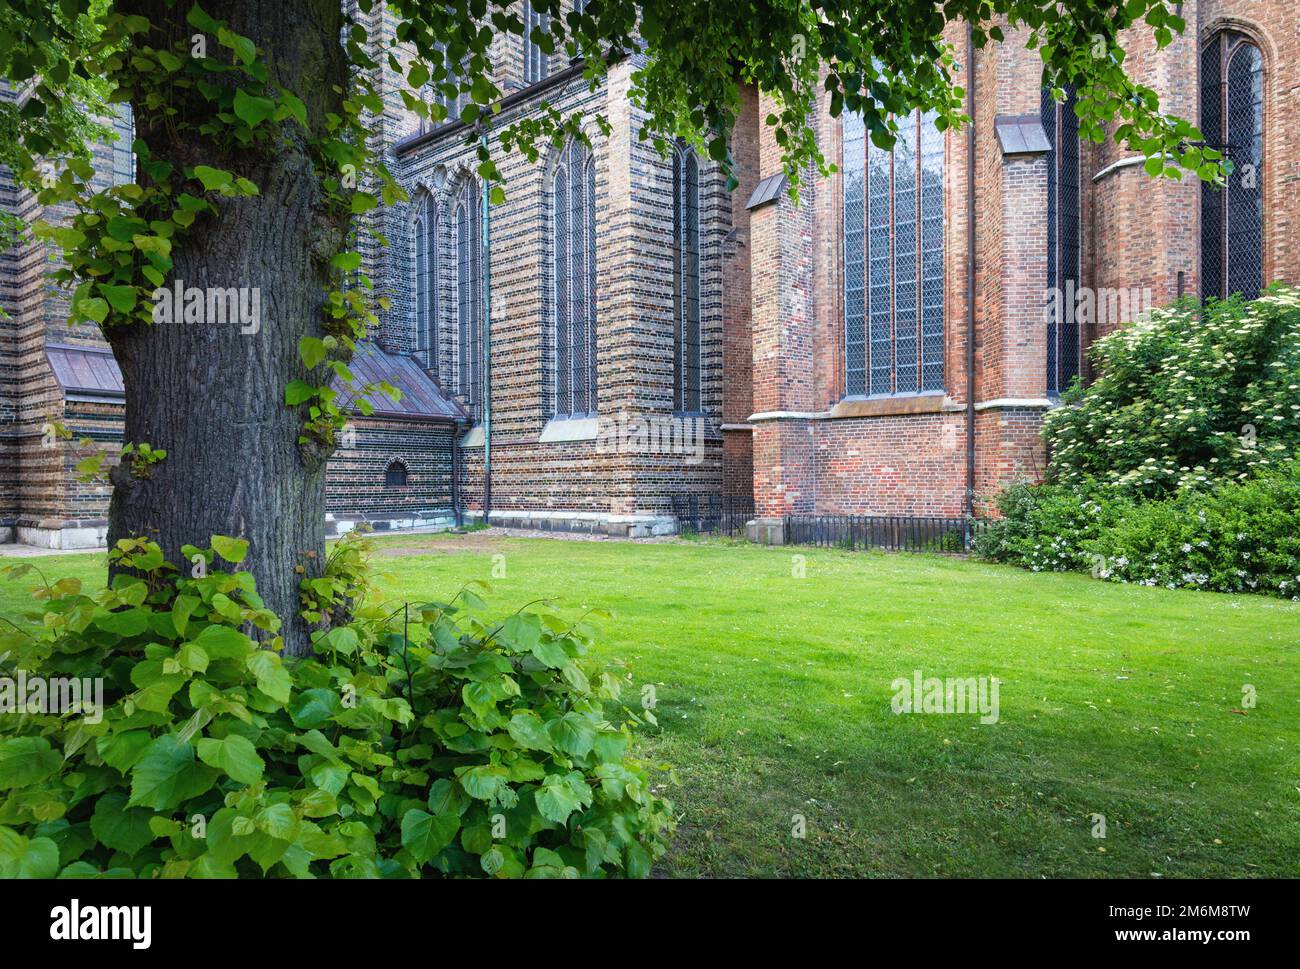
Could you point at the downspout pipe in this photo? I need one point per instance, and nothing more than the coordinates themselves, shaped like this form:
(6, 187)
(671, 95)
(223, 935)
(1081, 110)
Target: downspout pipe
(486, 382)
(970, 273)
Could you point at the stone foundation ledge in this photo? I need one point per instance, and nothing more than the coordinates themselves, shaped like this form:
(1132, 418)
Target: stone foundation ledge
(424, 521)
(61, 535)
(587, 522)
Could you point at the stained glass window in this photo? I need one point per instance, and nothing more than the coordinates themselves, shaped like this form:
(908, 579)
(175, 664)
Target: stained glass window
(1232, 120)
(424, 243)
(893, 260)
(686, 279)
(574, 240)
(535, 59)
(467, 223)
(1064, 239)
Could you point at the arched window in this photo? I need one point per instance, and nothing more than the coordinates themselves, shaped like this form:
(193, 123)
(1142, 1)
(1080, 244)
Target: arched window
(424, 243)
(686, 279)
(467, 224)
(574, 240)
(535, 59)
(396, 475)
(1232, 120)
(893, 259)
(1064, 239)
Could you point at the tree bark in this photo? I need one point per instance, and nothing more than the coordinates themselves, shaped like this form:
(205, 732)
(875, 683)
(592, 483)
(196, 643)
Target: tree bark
(209, 394)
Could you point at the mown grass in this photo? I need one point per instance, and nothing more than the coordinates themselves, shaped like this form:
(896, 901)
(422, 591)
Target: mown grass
(773, 697)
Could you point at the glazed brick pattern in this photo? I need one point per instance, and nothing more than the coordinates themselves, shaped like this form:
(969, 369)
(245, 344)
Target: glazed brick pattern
(354, 481)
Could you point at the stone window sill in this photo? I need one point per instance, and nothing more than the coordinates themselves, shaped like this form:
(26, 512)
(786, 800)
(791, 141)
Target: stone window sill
(931, 403)
(570, 429)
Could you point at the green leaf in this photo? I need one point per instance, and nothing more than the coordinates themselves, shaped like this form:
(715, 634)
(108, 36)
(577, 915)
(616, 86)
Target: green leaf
(312, 351)
(550, 653)
(118, 827)
(299, 391)
(212, 178)
(425, 834)
(22, 857)
(279, 821)
(122, 750)
(235, 755)
(272, 678)
(573, 733)
(252, 110)
(26, 760)
(222, 642)
(121, 298)
(483, 782)
(232, 550)
(93, 309)
(314, 708)
(527, 730)
(166, 775)
(558, 797)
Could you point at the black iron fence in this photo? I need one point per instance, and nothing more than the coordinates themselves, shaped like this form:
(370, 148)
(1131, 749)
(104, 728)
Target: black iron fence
(713, 514)
(890, 532)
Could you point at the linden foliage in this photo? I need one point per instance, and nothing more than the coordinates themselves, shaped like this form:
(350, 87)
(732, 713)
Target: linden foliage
(422, 742)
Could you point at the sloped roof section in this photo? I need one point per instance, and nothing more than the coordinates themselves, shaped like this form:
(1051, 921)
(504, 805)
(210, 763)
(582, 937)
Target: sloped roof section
(86, 373)
(767, 191)
(1021, 134)
(422, 398)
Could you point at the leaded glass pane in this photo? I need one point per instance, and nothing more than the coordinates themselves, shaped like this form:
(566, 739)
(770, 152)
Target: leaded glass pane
(686, 280)
(932, 282)
(1064, 239)
(1245, 130)
(905, 258)
(535, 61)
(855, 240)
(563, 277)
(879, 262)
(1232, 120)
(578, 287)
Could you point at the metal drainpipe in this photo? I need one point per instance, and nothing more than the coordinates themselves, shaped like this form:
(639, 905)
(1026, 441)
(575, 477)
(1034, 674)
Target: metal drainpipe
(970, 275)
(487, 349)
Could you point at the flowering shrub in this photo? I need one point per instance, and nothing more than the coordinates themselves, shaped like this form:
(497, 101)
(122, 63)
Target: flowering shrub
(422, 742)
(1177, 466)
(1233, 537)
(1191, 396)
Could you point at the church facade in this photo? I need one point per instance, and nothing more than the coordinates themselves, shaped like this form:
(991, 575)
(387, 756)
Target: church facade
(623, 329)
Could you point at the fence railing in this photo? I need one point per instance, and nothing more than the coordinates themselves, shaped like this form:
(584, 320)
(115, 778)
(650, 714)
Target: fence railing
(890, 532)
(713, 514)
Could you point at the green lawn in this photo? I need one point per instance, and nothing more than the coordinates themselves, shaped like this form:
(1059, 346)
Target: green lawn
(774, 700)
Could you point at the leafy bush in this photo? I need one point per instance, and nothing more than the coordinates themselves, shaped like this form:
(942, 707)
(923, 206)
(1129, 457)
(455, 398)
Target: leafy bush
(418, 743)
(1188, 397)
(1235, 537)
(1043, 528)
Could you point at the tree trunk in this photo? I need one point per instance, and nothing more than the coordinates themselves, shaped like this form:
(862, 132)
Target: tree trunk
(209, 394)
